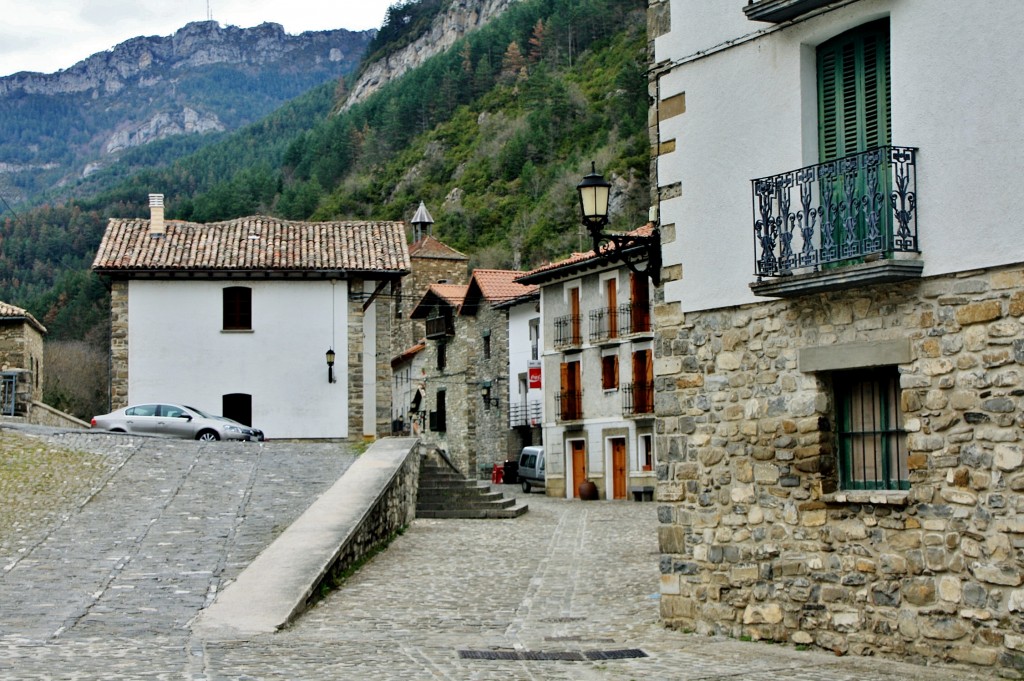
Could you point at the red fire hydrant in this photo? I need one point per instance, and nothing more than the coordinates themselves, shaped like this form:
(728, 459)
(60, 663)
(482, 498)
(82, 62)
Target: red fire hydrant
(497, 474)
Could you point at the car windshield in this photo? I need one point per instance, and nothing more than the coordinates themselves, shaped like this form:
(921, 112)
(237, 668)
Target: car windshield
(199, 411)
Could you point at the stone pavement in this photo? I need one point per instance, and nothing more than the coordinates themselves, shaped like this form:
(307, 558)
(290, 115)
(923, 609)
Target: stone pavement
(567, 591)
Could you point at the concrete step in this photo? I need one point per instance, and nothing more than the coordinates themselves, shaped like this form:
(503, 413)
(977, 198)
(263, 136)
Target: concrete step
(476, 514)
(437, 505)
(458, 493)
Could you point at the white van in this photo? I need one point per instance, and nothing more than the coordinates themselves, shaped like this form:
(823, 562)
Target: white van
(531, 468)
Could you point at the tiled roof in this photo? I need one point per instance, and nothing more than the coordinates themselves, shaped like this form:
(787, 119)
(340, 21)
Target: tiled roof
(13, 312)
(576, 260)
(453, 294)
(449, 294)
(254, 244)
(409, 354)
(500, 285)
(429, 247)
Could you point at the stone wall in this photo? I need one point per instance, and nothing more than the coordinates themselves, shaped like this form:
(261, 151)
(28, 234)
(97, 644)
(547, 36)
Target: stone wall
(21, 347)
(756, 538)
(118, 344)
(492, 429)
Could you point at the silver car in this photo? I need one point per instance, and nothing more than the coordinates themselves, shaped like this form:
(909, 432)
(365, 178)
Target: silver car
(175, 420)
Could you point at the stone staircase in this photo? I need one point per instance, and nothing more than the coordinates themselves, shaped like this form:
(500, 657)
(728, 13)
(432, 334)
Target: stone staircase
(445, 493)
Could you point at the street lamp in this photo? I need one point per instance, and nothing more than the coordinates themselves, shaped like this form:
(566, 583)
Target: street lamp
(641, 254)
(485, 395)
(330, 365)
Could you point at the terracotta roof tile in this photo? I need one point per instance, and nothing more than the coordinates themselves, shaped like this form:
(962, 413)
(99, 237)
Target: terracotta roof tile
(429, 247)
(254, 244)
(500, 285)
(577, 258)
(13, 312)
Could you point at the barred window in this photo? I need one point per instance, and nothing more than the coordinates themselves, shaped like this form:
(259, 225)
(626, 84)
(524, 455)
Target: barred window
(871, 440)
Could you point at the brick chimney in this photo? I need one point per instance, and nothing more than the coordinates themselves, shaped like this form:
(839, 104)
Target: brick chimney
(156, 215)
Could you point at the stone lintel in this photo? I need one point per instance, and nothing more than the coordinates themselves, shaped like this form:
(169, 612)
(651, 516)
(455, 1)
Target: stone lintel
(855, 355)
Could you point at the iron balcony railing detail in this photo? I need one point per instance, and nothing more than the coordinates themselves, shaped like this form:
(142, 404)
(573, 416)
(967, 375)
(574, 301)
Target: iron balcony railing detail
(634, 319)
(570, 405)
(567, 331)
(637, 399)
(836, 212)
(525, 414)
(604, 324)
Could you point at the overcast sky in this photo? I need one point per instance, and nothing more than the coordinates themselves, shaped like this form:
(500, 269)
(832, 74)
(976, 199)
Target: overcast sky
(50, 35)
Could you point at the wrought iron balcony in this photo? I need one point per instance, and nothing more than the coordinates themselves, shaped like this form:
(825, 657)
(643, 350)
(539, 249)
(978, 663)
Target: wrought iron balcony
(567, 332)
(821, 219)
(570, 405)
(634, 319)
(525, 414)
(638, 399)
(604, 324)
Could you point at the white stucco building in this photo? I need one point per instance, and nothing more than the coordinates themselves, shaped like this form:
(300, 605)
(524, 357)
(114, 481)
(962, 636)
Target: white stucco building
(597, 364)
(237, 318)
(839, 365)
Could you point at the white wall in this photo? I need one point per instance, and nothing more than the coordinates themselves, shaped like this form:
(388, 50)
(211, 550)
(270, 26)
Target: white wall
(957, 94)
(519, 317)
(179, 353)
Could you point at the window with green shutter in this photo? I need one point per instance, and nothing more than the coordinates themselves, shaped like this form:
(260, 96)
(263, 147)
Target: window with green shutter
(854, 94)
(854, 103)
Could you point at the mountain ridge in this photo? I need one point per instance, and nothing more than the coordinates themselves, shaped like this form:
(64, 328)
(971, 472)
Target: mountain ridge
(59, 127)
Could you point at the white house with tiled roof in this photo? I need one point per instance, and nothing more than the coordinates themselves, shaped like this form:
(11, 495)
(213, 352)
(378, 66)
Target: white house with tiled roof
(236, 318)
(597, 372)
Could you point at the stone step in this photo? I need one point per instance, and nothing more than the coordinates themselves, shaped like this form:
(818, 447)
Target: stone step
(437, 505)
(461, 492)
(476, 514)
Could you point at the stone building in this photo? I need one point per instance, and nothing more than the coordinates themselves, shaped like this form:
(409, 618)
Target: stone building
(431, 262)
(466, 366)
(236, 318)
(839, 365)
(598, 371)
(21, 359)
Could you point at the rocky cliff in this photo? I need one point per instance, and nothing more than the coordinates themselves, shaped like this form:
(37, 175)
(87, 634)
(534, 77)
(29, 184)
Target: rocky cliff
(462, 17)
(205, 78)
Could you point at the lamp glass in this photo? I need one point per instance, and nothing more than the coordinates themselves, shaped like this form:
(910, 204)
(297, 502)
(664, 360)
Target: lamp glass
(330, 357)
(594, 191)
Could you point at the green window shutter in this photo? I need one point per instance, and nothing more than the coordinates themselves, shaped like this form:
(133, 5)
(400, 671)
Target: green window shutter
(854, 94)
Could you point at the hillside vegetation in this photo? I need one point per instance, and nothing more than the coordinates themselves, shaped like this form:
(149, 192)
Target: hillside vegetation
(493, 135)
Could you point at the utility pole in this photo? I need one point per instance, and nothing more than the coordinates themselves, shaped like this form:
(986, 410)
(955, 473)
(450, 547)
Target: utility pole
(209, 11)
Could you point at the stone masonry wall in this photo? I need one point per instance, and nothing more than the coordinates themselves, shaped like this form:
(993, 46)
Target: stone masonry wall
(118, 344)
(755, 538)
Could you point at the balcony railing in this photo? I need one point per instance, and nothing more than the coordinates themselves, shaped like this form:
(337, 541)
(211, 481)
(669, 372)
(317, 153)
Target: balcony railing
(638, 399)
(525, 414)
(845, 211)
(567, 332)
(570, 405)
(604, 324)
(634, 318)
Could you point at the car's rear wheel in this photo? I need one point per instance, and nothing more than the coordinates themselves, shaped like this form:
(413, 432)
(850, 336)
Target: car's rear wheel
(526, 487)
(207, 436)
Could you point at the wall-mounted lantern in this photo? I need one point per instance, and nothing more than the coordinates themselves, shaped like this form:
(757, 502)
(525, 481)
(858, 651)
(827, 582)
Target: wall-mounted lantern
(641, 254)
(485, 395)
(330, 365)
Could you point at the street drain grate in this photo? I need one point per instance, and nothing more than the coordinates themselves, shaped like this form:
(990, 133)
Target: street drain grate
(623, 654)
(563, 619)
(556, 655)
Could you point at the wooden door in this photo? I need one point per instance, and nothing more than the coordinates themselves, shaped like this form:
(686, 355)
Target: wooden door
(619, 468)
(640, 304)
(575, 318)
(579, 465)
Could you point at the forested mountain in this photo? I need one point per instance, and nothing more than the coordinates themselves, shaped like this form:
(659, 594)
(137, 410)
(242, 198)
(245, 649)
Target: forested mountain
(205, 79)
(492, 134)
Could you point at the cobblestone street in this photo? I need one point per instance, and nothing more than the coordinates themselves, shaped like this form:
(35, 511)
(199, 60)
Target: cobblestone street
(568, 591)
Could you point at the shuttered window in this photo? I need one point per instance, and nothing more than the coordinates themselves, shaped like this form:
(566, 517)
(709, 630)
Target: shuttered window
(854, 92)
